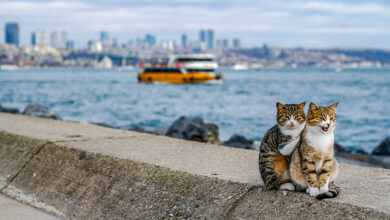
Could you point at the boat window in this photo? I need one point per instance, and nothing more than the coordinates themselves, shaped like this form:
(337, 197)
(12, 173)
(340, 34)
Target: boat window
(200, 70)
(162, 70)
(193, 59)
(173, 70)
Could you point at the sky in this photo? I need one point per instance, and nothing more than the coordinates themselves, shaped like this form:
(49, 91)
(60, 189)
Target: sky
(281, 23)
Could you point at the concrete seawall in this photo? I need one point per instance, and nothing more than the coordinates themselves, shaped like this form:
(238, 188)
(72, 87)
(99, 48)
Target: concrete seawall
(81, 171)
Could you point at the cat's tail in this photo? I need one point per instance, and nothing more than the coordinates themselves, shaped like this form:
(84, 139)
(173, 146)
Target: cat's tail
(332, 193)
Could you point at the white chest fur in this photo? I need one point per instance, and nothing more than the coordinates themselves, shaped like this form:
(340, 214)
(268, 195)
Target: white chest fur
(318, 140)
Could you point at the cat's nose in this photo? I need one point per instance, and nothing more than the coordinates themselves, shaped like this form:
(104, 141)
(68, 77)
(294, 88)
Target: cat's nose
(292, 123)
(328, 124)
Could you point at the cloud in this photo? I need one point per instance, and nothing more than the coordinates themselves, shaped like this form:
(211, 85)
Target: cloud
(27, 6)
(253, 21)
(340, 7)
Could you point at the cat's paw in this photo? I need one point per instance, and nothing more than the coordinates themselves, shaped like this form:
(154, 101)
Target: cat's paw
(324, 189)
(312, 191)
(287, 186)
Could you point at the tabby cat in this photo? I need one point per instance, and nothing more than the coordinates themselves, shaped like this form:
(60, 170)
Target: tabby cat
(278, 144)
(313, 166)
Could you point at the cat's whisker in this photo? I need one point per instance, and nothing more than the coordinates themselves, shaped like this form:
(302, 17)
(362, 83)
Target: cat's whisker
(340, 124)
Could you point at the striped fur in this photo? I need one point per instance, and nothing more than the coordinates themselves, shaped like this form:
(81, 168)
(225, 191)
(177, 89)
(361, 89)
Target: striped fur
(273, 164)
(333, 192)
(313, 167)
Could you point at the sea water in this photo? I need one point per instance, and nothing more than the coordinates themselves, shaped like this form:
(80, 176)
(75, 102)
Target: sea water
(242, 103)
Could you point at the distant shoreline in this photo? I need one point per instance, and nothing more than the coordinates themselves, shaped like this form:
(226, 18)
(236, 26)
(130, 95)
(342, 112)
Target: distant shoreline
(330, 68)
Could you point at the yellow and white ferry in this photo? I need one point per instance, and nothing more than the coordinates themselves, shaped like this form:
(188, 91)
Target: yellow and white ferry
(187, 68)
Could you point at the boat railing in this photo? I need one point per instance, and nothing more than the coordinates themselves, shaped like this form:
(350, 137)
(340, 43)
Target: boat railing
(143, 64)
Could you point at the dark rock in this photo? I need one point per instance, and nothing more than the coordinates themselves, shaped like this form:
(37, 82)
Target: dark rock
(360, 151)
(138, 129)
(198, 120)
(160, 131)
(385, 160)
(9, 110)
(212, 133)
(103, 124)
(383, 148)
(239, 141)
(195, 130)
(339, 149)
(39, 111)
(156, 131)
(360, 157)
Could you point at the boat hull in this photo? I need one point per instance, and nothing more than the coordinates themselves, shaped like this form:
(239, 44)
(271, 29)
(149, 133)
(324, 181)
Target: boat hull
(177, 78)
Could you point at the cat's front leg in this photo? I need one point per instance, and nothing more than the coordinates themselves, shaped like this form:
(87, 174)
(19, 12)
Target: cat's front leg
(312, 191)
(309, 169)
(324, 174)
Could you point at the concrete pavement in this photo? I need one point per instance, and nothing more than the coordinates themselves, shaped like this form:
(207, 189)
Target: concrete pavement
(14, 210)
(80, 171)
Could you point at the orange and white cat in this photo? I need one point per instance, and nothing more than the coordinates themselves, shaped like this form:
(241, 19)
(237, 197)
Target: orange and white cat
(313, 167)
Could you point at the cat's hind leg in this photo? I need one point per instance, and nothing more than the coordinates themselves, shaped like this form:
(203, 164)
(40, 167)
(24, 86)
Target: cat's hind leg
(267, 171)
(281, 169)
(286, 182)
(296, 174)
(273, 168)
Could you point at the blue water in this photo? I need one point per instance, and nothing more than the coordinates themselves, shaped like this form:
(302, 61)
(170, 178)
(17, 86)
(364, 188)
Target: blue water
(244, 103)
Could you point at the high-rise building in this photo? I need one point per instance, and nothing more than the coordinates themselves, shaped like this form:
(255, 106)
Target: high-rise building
(236, 42)
(54, 39)
(210, 39)
(69, 44)
(139, 42)
(104, 37)
(225, 43)
(33, 38)
(114, 42)
(218, 43)
(64, 39)
(12, 33)
(202, 36)
(150, 40)
(184, 40)
(39, 38)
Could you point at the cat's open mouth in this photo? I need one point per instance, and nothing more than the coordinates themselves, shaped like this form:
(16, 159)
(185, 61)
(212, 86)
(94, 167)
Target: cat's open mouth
(325, 128)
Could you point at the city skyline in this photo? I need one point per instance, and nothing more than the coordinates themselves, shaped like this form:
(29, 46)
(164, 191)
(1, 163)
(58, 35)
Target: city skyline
(59, 39)
(279, 23)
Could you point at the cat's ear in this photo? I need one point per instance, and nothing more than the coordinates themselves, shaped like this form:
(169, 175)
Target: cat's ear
(301, 105)
(312, 107)
(280, 105)
(333, 106)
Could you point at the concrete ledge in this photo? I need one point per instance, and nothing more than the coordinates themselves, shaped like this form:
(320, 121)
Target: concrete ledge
(84, 171)
(11, 209)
